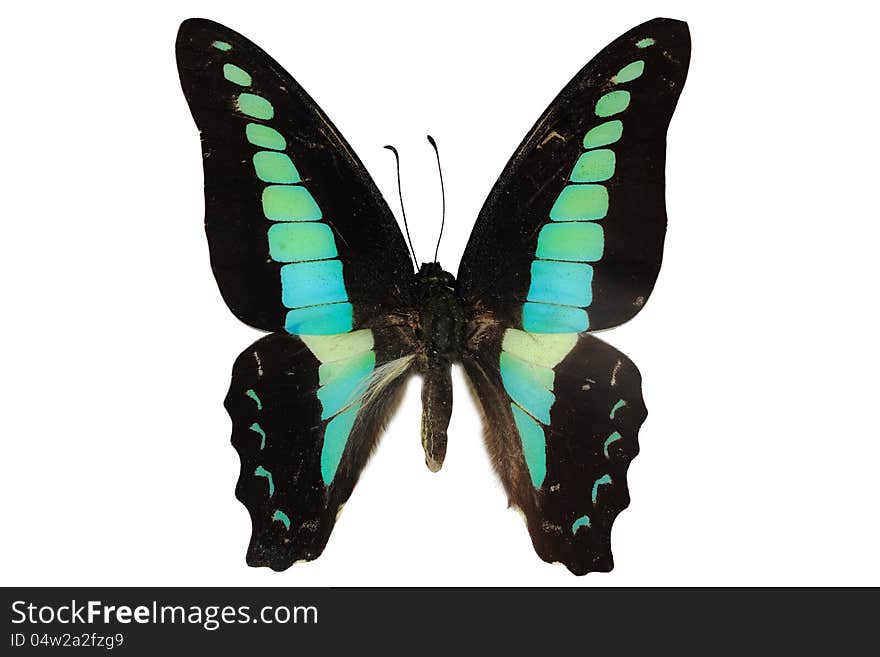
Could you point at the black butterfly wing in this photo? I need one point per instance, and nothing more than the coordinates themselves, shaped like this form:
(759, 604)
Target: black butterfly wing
(565, 471)
(301, 243)
(300, 237)
(570, 240)
(306, 413)
(571, 237)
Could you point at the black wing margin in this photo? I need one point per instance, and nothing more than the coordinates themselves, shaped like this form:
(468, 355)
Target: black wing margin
(244, 103)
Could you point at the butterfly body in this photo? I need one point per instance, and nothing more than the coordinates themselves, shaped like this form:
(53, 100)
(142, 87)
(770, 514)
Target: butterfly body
(439, 333)
(303, 246)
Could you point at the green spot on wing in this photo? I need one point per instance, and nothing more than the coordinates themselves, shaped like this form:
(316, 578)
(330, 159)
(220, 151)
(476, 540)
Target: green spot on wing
(551, 318)
(544, 349)
(583, 521)
(526, 386)
(237, 75)
(263, 472)
(222, 45)
(281, 517)
(604, 134)
(594, 166)
(253, 395)
(534, 446)
(538, 374)
(326, 320)
(256, 428)
(335, 437)
(331, 348)
(580, 203)
(265, 137)
(614, 437)
(564, 283)
(579, 241)
(275, 167)
(312, 283)
(601, 481)
(328, 372)
(289, 203)
(255, 106)
(629, 72)
(295, 241)
(644, 43)
(612, 103)
(620, 404)
(346, 385)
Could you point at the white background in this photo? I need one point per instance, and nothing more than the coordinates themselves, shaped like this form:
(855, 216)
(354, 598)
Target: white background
(758, 351)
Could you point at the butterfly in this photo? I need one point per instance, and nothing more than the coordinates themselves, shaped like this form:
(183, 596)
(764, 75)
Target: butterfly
(303, 246)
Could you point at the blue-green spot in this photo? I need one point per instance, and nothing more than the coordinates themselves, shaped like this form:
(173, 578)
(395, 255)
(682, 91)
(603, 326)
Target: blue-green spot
(265, 137)
(620, 404)
(263, 472)
(237, 75)
(255, 106)
(604, 134)
(335, 438)
(564, 283)
(347, 385)
(275, 167)
(526, 388)
(644, 43)
(612, 103)
(256, 428)
(539, 374)
(614, 437)
(571, 240)
(629, 72)
(289, 203)
(580, 202)
(594, 166)
(222, 45)
(281, 517)
(329, 319)
(534, 445)
(344, 367)
(583, 521)
(550, 318)
(253, 395)
(296, 241)
(312, 283)
(601, 481)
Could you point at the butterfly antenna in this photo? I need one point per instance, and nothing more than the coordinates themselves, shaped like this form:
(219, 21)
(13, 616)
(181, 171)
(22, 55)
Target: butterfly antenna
(442, 194)
(402, 211)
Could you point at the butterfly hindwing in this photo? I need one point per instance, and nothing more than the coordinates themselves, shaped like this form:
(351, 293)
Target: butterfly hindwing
(300, 237)
(306, 413)
(562, 417)
(571, 237)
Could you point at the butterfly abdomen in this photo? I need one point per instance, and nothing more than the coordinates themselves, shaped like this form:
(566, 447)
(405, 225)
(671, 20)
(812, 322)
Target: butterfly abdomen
(439, 333)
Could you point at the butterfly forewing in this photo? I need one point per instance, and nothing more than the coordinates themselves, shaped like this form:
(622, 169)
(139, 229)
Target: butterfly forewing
(571, 237)
(300, 237)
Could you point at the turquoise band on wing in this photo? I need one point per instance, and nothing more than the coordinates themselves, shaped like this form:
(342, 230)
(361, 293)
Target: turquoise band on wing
(312, 280)
(560, 290)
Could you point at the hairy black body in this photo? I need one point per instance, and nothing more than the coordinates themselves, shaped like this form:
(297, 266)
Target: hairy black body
(440, 330)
